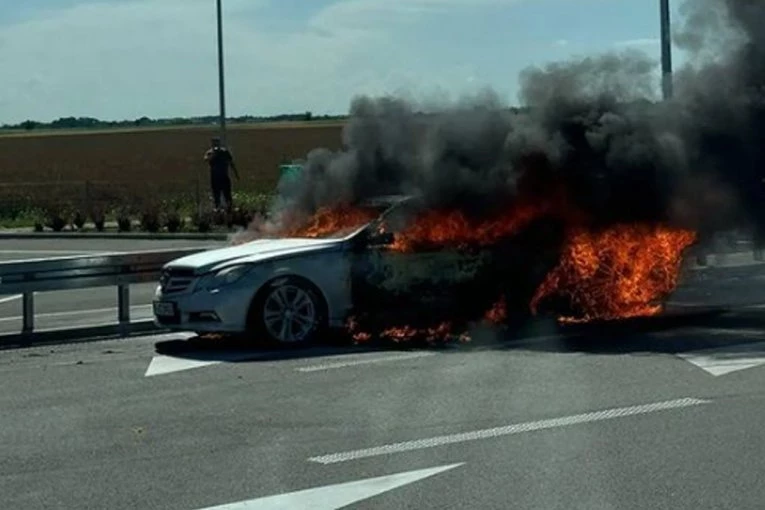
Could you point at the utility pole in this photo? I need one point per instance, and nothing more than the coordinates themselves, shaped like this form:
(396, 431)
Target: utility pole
(666, 51)
(221, 73)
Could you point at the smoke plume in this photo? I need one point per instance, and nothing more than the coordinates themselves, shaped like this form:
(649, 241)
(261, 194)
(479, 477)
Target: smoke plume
(594, 126)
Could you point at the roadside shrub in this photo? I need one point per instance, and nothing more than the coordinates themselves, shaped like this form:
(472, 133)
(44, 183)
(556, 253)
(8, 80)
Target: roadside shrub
(203, 222)
(99, 220)
(124, 221)
(78, 221)
(238, 218)
(150, 221)
(38, 217)
(254, 202)
(97, 214)
(56, 213)
(56, 221)
(219, 218)
(174, 221)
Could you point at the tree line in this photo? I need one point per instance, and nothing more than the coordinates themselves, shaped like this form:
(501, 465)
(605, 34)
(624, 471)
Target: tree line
(93, 123)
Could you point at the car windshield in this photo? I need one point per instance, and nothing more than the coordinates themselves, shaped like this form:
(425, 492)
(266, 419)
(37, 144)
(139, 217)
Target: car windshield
(337, 224)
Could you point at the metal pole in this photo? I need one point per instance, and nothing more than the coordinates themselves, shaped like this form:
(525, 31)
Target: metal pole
(28, 305)
(666, 51)
(123, 308)
(221, 72)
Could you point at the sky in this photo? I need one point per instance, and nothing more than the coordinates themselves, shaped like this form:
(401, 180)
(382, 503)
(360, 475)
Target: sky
(123, 59)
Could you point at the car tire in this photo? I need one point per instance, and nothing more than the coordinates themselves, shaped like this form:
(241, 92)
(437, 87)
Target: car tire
(287, 312)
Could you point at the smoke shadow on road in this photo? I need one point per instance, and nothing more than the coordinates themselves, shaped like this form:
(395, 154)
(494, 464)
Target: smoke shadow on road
(669, 334)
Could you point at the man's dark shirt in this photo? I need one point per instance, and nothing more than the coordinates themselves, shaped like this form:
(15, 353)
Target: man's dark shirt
(219, 159)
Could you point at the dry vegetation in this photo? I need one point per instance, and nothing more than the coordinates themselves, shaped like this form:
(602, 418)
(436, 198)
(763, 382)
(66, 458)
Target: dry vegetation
(123, 170)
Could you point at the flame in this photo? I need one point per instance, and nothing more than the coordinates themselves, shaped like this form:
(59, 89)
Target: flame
(352, 326)
(621, 272)
(618, 272)
(455, 228)
(497, 314)
(441, 331)
(333, 220)
(405, 333)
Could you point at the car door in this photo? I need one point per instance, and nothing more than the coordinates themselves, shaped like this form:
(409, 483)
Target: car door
(387, 279)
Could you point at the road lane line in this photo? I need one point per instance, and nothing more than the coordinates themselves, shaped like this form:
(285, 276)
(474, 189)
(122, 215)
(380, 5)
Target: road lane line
(9, 299)
(344, 364)
(518, 428)
(136, 308)
(62, 252)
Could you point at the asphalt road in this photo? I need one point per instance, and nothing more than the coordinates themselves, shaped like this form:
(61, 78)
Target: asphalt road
(661, 413)
(598, 423)
(81, 307)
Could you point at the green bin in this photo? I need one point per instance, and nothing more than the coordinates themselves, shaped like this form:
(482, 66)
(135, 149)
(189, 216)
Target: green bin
(289, 172)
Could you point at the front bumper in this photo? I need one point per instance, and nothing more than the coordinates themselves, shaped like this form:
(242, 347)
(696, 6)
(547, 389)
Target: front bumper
(218, 311)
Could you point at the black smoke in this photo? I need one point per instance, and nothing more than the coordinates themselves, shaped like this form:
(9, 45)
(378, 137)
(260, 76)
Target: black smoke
(594, 125)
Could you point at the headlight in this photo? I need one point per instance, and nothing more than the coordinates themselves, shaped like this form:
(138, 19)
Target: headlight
(224, 277)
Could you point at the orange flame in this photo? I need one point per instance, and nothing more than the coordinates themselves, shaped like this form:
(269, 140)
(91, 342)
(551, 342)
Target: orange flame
(352, 326)
(624, 271)
(619, 272)
(333, 220)
(498, 312)
(454, 228)
(405, 333)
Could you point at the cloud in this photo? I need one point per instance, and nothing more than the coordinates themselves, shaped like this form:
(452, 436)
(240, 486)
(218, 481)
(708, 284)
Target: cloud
(128, 58)
(632, 43)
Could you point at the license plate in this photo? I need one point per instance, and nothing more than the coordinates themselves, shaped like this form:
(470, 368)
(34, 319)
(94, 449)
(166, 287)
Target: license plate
(164, 309)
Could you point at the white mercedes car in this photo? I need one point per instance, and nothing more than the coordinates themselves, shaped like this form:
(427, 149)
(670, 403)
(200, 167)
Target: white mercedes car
(289, 290)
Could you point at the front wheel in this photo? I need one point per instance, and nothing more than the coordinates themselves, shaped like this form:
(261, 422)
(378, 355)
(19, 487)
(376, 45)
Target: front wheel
(289, 312)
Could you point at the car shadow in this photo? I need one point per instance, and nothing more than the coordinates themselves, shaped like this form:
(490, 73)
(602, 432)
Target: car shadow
(670, 333)
(237, 349)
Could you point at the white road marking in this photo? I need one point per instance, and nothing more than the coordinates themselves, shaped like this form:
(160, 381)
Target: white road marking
(133, 309)
(518, 428)
(357, 362)
(9, 299)
(728, 359)
(162, 364)
(333, 497)
(57, 252)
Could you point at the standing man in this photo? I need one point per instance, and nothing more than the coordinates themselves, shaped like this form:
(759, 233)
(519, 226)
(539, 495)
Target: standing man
(219, 158)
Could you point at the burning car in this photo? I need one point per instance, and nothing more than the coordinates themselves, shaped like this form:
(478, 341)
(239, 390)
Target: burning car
(287, 290)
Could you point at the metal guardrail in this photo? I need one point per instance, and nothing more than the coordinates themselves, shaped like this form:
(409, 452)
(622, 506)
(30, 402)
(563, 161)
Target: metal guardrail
(82, 272)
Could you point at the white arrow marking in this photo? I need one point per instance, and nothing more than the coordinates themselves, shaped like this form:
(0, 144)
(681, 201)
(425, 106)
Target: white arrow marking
(162, 364)
(725, 360)
(518, 428)
(333, 497)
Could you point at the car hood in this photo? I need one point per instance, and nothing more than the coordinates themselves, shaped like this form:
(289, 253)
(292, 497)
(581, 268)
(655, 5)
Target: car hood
(255, 251)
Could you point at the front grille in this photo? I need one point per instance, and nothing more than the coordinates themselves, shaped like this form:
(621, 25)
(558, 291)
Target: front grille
(176, 280)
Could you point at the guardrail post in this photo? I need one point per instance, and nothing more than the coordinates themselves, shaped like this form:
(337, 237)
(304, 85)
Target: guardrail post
(123, 308)
(28, 305)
